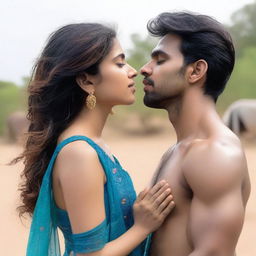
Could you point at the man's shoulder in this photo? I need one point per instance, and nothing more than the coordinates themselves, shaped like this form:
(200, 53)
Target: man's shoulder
(215, 151)
(214, 163)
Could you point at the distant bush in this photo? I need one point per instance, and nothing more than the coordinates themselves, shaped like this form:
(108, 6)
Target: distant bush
(242, 83)
(12, 98)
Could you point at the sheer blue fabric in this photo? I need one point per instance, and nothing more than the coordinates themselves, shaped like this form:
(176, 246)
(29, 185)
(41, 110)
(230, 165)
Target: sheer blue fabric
(92, 240)
(89, 241)
(119, 197)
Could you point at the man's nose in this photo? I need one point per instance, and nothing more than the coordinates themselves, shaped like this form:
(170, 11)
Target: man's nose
(146, 70)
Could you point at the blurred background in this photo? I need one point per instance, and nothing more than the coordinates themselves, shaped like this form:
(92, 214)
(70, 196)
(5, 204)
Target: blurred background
(137, 135)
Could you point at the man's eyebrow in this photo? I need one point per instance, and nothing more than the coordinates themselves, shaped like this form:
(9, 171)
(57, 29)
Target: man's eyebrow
(157, 53)
(121, 55)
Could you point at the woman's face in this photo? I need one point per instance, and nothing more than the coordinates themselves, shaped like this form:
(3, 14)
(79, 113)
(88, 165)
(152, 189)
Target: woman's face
(115, 84)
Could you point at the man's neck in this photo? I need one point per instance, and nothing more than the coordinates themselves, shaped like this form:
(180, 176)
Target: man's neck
(194, 114)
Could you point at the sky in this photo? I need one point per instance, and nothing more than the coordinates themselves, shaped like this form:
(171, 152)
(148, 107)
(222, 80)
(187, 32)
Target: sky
(26, 24)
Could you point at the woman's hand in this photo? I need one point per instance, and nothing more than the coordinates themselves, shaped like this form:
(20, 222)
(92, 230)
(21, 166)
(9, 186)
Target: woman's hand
(152, 207)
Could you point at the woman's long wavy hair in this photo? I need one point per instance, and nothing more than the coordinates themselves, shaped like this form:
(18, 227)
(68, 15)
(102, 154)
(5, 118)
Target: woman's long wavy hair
(55, 98)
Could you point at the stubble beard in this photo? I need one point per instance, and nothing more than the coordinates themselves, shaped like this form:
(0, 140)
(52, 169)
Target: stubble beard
(154, 100)
(161, 100)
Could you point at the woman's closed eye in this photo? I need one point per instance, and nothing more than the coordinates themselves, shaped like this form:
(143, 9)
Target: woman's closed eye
(120, 65)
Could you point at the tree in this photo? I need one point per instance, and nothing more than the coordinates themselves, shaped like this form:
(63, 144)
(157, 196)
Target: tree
(243, 27)
(242, 82)
(139, 54)
(12, 98)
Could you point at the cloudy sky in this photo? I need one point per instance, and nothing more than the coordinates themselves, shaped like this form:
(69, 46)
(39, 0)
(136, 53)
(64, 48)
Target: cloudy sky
(26, 24)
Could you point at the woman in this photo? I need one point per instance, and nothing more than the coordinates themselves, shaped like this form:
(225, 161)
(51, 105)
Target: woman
(72, 181)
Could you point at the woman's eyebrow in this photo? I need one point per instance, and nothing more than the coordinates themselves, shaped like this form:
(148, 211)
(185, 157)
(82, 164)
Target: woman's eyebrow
(121, 55)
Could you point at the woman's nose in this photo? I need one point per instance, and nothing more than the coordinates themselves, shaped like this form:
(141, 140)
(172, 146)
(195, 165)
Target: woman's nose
(132, 72)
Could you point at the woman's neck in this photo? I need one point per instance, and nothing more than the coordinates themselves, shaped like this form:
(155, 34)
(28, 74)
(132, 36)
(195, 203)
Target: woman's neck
(90, 122)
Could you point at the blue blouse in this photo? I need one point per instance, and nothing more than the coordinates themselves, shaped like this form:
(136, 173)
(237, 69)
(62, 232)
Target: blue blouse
(119, 196)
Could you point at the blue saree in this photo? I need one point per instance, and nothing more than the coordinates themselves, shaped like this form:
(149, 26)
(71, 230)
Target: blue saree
(119, 197)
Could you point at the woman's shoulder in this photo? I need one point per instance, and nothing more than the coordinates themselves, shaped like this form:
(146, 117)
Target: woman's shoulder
(77, 166)
(77, 149)
(73, 145)
(77, 157)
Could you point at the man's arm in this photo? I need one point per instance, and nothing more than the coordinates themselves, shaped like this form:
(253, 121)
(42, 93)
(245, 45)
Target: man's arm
(215, 174)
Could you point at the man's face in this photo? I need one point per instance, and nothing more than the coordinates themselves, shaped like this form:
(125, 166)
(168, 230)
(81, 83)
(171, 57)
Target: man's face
(164, 74)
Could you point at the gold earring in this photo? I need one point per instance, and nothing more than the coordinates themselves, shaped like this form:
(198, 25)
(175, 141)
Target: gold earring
(91, 101)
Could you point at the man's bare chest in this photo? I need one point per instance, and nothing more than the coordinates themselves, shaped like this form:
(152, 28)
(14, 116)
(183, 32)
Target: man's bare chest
(170, 169)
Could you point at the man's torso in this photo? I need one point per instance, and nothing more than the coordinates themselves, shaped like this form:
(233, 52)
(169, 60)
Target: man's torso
(173, 237)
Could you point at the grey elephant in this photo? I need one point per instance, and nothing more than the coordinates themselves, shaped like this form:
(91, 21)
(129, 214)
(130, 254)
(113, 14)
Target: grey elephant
(17, 125)
(240, 117)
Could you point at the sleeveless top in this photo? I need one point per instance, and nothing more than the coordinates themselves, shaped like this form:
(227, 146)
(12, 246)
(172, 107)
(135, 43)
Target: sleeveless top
(119, 196)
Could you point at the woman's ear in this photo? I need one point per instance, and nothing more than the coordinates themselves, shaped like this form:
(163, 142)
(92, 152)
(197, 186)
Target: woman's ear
(85, 82)
(197, 71)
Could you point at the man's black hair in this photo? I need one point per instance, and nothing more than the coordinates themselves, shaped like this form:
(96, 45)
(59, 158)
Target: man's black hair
(202, 38)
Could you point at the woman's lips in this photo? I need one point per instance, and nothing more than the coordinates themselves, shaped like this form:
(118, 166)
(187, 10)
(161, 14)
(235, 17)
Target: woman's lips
(132, 87)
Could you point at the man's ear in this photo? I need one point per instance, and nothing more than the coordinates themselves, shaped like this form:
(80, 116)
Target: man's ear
(86, 83)
(197, 71)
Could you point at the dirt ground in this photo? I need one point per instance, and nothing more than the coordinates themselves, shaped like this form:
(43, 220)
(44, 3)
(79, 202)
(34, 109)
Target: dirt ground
(139, 155)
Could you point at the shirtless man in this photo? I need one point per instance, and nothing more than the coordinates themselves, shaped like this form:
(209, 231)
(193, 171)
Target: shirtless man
(206, 168)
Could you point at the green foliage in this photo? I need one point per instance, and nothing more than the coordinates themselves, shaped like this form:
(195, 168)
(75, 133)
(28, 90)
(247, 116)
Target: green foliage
(140, 53)
(243, 27)
(12, 98)
(242, 83)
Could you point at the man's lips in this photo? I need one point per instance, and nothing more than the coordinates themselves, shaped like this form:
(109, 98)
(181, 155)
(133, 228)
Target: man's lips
(148, 82)
(148, 88)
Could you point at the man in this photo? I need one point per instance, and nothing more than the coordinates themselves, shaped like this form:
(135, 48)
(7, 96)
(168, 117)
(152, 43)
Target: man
(206, 168)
